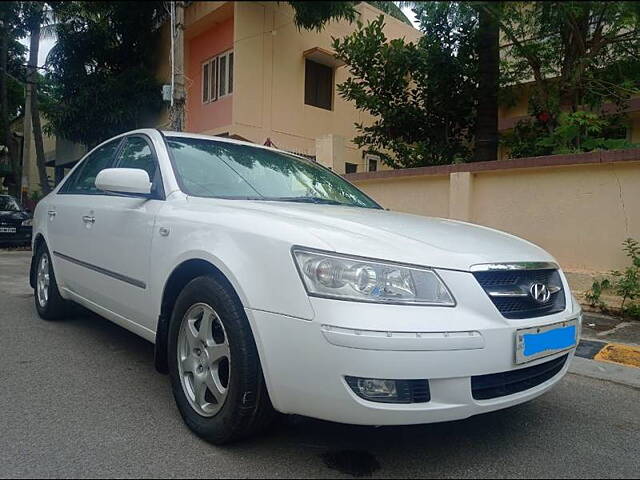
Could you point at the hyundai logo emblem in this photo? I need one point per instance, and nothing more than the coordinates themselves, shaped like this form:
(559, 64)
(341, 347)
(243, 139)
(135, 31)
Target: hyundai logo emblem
(540, 292)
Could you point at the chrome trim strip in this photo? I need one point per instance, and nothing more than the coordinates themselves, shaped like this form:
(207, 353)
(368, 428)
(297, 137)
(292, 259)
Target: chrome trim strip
(519, 293)
(488, 267)
(507, 293)
(104, 271)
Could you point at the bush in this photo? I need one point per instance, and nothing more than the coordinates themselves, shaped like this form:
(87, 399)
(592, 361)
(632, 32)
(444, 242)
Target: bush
(625, 284)
(574, 132)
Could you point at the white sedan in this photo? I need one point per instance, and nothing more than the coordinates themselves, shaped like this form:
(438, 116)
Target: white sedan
(269, 284)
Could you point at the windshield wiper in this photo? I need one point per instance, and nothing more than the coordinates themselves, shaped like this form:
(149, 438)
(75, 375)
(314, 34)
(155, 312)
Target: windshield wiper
(317, 200)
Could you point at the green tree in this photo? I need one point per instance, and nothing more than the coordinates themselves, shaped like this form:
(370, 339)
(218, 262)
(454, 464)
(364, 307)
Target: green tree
(12, 77)
(314, 15)
(422, 95)
(102, 69)
(579, 54)
(394, 9)
(431, 117)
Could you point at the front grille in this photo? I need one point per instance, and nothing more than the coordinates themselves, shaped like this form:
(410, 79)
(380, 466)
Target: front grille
(494, 385)
(526, 306)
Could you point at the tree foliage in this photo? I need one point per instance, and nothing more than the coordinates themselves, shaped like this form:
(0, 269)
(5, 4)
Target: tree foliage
(12, 77)
(102, 69)
(426, 98)
(420, 94)
(577, 53)
(314, 15)
(11, 23)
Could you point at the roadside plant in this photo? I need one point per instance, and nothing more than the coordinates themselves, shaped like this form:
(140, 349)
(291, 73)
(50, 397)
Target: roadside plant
(625, 284)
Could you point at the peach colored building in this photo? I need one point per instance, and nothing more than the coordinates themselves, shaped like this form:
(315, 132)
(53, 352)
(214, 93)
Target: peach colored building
(250, 73)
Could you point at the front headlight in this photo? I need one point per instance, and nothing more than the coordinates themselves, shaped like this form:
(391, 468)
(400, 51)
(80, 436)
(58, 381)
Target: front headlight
(27, 223)
(360, 279)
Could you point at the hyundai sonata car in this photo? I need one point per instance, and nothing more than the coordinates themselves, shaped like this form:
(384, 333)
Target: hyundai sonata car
(270, 284)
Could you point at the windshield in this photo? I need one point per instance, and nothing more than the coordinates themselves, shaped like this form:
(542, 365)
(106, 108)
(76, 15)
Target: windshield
(207, 168)
(8, 204)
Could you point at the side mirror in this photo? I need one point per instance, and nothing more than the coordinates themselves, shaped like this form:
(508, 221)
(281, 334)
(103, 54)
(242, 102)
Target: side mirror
(132, 181)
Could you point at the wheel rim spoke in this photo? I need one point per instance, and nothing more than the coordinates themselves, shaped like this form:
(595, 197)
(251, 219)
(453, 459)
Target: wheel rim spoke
(205, 333)
(200, 388)
(191, 335)
(189, 364)
(216, 389)
(217, 352)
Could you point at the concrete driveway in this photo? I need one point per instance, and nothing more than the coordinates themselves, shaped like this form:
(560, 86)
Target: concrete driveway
(80, 398)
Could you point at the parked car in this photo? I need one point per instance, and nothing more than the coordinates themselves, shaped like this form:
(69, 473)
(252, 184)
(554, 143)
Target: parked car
(269, 283)
(15, 223)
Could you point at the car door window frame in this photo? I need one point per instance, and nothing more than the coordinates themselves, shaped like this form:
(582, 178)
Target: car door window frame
(73, 177)
(157, 184)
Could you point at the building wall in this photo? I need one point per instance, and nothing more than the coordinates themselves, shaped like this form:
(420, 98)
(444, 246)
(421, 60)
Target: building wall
(578, 207)
(268, 97)
(202, 117)
(425, 195)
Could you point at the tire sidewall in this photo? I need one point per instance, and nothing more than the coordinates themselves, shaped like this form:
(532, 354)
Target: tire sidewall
(243, 377)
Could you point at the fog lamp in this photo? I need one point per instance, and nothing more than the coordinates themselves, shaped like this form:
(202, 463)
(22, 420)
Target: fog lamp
(374, 388)
(390, 391)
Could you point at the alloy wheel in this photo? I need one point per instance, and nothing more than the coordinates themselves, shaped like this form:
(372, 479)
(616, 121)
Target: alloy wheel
(204, 359)
(42, 280)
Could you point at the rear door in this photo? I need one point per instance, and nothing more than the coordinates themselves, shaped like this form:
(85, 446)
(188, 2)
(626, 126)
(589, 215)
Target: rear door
(70, 213)
(122, 235)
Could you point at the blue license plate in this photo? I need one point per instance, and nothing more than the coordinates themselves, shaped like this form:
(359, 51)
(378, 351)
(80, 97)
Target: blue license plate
(556, 339)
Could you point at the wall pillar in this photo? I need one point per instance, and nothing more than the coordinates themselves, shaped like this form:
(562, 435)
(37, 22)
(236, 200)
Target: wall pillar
(330, 152)
(460, 194)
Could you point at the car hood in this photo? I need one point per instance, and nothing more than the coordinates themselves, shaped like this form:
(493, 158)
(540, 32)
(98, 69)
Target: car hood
(13, 217)
(394, 236)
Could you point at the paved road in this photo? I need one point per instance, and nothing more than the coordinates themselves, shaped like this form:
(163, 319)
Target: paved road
(81, 398)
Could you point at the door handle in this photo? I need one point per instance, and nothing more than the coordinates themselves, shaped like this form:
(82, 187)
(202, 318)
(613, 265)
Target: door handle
(89, 219)
(52, 213)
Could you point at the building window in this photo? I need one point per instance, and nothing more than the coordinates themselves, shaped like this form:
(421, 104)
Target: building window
(372, 162)
(217, 77)
(318, 85)
(350, 167)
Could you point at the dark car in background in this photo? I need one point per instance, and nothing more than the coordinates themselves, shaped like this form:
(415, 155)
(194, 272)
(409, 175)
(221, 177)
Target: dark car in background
(15, 223)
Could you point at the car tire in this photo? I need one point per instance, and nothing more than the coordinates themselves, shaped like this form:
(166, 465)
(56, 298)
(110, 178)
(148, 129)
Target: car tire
(238, 404)
(49, 303)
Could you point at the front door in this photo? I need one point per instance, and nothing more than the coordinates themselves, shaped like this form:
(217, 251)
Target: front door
(70, 227)
(122, 235)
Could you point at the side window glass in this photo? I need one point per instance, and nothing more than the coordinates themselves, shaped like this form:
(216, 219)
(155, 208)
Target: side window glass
(138, 154)
(83, 178)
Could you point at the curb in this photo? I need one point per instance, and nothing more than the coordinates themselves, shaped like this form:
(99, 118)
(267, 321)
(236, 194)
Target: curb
(607, 371)
(626, 355)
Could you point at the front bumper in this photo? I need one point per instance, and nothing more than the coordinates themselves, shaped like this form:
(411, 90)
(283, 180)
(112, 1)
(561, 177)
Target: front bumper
(22, 236)
(306, 362)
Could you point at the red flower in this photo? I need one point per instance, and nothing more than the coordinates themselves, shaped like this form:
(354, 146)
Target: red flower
(544, 117)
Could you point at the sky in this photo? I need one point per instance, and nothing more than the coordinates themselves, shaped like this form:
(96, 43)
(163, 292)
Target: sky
(407, 11)
(47, 43)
